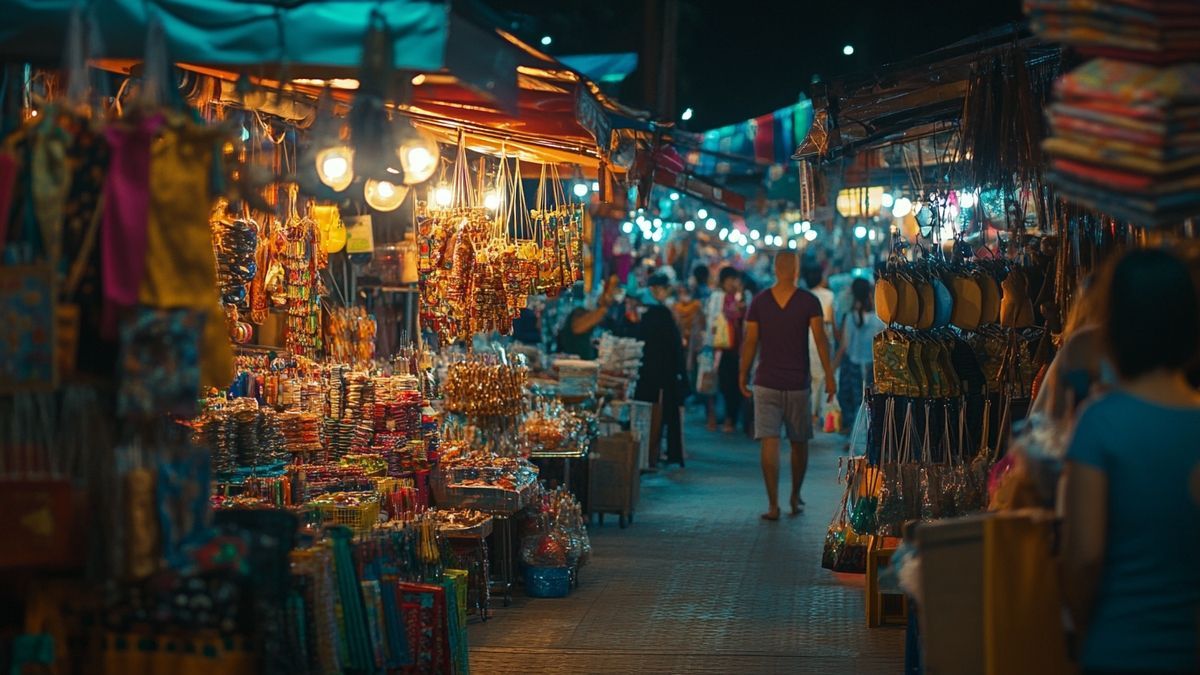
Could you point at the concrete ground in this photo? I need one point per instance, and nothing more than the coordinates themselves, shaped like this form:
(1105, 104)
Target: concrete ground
(698, 584)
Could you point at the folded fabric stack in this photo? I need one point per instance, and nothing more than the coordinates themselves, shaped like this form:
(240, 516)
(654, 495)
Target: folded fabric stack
(1126, 140)
(1150, 31)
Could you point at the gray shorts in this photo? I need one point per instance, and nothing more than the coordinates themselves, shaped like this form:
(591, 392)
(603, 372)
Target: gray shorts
(788, 409)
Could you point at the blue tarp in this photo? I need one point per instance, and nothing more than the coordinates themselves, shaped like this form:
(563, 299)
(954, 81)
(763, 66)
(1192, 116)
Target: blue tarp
(326, 33)
(603, 67)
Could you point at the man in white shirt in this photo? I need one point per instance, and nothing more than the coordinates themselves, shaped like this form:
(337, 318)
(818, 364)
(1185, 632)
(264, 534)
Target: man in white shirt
(814, 278)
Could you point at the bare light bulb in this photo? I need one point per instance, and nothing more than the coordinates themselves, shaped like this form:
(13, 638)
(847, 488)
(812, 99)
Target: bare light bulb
(383, 195)
(418, 153)
(443, 196)
(491, 200)
(334, 167)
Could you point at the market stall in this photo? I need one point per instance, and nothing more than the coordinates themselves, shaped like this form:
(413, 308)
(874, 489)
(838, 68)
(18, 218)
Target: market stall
(991, 220)
(222, 426)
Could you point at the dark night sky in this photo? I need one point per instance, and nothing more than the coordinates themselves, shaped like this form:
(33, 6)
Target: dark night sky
(744, 58)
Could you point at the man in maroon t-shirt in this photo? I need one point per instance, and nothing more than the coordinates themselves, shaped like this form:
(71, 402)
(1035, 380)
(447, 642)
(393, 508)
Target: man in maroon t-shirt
(780, 318)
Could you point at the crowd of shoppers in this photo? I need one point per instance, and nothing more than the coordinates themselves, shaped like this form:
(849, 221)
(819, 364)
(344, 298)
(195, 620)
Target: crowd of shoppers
(1123, 388)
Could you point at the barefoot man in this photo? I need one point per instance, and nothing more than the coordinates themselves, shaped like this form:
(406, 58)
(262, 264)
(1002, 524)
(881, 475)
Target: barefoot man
(780, 318)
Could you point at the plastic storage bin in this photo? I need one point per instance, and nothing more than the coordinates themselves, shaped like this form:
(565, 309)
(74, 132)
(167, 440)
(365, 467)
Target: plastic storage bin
(547, 582)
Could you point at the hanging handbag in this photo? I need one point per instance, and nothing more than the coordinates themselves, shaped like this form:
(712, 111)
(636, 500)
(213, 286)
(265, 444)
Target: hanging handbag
(893, 372)
(951, 475)
(865, 481)
(844, 550)
(910, 467)
(928, 484)
(891, 513)
(835, 536)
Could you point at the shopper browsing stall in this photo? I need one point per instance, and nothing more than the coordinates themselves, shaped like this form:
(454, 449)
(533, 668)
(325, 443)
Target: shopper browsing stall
(1133, 481)
(726, 312)
(575, 337)
(661, 380)
(781, 318)
(855, 359)
(814, 280)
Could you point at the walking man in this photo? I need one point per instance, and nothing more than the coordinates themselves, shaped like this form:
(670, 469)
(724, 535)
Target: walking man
(781, 318)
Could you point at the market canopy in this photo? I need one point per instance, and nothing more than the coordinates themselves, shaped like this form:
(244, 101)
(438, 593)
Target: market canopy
(465, 73)
(912, 99)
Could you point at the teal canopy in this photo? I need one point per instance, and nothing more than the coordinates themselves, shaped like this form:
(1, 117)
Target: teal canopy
(320, 33)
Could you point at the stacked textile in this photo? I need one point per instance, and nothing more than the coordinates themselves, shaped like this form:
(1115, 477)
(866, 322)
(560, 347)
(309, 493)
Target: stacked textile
(1126, 140)
(1150, 31)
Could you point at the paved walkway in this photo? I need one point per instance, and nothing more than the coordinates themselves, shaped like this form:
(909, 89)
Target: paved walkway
(698, 584)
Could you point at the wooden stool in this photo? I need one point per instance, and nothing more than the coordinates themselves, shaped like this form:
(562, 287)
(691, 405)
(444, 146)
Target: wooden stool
(882, 608)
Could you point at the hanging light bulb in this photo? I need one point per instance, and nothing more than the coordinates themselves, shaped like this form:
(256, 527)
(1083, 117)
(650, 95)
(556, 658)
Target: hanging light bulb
(810, 235)
(383, 195)
(335, 167)
(710, 224)
(443, 196)
(702, 213)
(901, 207)
(860, 232)
(417, 151)
(689, 225)
(491, 200)
(580, 190)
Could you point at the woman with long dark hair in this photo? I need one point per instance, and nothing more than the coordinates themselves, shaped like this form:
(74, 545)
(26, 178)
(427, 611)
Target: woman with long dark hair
(855, 359)
(1131, 508)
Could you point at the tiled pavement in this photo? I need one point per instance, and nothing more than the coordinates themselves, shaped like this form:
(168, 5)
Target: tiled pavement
(698, 584)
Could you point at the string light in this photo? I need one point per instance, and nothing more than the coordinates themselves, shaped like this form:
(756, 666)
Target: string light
(689, 225)
(860, 232)
(627, 227)
(710, 224)
(702, 214)
(811, 235)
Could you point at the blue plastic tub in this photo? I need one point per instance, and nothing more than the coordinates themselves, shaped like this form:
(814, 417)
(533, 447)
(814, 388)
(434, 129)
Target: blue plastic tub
(547, 582)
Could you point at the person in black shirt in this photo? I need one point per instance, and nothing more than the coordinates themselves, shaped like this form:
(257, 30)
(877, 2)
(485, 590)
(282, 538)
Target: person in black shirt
(662, 380)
